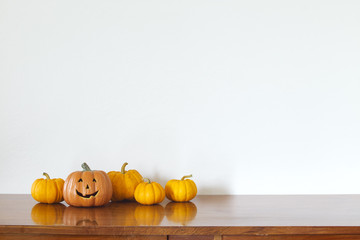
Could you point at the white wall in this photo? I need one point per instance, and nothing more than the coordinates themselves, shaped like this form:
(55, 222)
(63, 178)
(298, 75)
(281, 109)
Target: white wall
(251, 97)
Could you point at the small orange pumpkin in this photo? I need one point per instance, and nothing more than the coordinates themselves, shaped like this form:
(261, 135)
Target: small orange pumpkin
(181, 190)
(87, 188)
(48, 214)
(149, 193)
(48, 190)
(124, 183)
(181, 212)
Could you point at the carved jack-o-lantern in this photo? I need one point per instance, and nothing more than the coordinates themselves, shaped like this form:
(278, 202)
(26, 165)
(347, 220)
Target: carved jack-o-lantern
(87, 188)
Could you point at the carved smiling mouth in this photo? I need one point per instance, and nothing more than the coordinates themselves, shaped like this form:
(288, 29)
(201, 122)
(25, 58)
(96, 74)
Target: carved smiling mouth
(88, 195)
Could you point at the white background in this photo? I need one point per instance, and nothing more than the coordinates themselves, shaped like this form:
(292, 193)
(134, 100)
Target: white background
(251, 97)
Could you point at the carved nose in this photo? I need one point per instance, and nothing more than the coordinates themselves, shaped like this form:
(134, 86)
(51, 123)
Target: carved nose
(87, 186)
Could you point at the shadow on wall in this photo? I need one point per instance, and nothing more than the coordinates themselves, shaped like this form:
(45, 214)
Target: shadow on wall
(156, 177)
(202, 190)
(213, 190)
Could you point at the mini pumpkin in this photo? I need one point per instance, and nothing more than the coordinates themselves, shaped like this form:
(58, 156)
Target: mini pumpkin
(48, 190)
(149, 193)
(124, 183)
(181, 190)
(181, 212)
(87, 188)
(149, 215)
(48, 214)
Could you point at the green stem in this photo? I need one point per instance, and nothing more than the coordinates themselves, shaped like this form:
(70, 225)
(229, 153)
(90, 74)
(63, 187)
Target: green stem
(123, 168)
(85, 167)
(146, 180)
(187, 176)
(46, 175)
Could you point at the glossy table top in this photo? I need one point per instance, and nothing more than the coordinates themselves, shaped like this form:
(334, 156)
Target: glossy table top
(204, 211)
(215, 210)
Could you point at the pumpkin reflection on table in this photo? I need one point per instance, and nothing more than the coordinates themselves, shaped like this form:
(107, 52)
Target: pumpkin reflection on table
(125, 213)
(149, 215)
(181, 212)
(115, 213)
(48, 214)
(87, 216)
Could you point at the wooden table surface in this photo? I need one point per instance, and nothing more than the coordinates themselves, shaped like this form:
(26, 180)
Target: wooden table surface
(247, 215)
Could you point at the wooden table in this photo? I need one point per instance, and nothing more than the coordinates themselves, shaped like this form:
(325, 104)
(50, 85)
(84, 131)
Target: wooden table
(297, 217)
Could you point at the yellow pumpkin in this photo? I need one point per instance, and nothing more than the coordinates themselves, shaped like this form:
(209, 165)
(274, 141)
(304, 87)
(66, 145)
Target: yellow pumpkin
(181, 190)
(87, 188)
(48, 214)
(180, 212)
(149, 215)
(124, 183)
(48, 190)
(149, 193)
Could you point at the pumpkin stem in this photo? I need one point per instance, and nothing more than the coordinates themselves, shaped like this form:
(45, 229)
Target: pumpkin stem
(146, 180)
(46, 175)
(187, 176)
(85, 167)
(123, 168)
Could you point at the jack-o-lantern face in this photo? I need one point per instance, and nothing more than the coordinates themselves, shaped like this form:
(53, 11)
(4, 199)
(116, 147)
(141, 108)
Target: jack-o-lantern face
(83, 190)
(87, 188)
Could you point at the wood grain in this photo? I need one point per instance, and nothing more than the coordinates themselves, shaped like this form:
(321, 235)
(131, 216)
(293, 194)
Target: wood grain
(76, 237)
(221, 217)
(193, 237)
(302, 237)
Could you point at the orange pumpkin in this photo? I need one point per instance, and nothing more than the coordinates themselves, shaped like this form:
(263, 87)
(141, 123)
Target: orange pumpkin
(149, 193)
(180, 212)
(87, 188)
(149, 215)
(47, 190)
(48, 214)
(124, 183)
(181, 190)
(97, 216)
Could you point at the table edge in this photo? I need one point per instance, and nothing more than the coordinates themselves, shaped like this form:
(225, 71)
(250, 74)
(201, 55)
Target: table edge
(184, 230)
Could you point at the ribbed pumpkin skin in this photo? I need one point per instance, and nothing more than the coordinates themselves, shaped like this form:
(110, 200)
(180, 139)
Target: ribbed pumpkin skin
(87, 187)
(180, 190)
(149, 193)
(124, 183)
(48, 190)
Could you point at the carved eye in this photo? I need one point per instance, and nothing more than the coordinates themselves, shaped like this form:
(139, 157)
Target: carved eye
(80, 180)
(94, 180)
